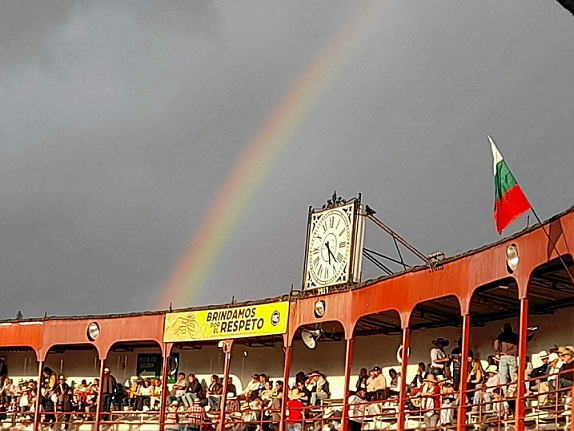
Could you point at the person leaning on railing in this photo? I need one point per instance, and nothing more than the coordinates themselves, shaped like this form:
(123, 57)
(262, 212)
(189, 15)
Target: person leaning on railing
(357, 405)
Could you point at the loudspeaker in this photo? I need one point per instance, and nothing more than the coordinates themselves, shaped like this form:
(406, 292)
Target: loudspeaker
(310, 338)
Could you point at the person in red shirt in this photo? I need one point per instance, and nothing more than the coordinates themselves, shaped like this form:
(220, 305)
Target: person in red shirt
(295, 411)
(430, 391)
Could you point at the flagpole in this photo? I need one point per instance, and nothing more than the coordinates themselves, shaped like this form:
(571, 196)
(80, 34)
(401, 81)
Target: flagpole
(542, 226)
(553, 244)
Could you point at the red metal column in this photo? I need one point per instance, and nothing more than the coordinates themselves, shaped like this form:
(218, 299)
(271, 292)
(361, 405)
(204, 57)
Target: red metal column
(38, 395)
(286, 372)
(522, 350)
(226, 347)
(403, 388)
(164, 377)
(461, 416)
(100, 396)
(348, 367)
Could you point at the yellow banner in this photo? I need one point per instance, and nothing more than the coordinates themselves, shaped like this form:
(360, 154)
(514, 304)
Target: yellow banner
(226, 323)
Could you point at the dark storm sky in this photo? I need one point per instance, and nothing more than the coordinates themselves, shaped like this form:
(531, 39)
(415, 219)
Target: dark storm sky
(121, 121)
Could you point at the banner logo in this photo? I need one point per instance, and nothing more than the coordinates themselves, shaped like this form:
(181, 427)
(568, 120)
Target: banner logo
(225, 323)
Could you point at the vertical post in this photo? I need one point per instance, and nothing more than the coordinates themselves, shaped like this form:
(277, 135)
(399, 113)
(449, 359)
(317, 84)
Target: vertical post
(164, 377)
(461, 417)
(38, 396)
(226, 347)
(286, 372)
(403, 388)
(348, 368)
(522, 350)
(100, 400)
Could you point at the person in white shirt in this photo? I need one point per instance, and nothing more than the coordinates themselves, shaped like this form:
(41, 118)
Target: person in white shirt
(252, 386)
(485, 394)
(357, 405)
(439, 358)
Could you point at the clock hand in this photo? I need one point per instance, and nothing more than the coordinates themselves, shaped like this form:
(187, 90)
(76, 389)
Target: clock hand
(329, 252)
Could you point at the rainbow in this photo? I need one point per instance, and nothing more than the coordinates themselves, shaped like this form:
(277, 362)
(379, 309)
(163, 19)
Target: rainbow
(194, 269)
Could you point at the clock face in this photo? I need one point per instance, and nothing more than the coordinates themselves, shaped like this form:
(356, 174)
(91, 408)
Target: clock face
(329, 247)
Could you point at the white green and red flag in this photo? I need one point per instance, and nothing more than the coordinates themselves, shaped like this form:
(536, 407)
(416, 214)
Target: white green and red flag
(510, 202)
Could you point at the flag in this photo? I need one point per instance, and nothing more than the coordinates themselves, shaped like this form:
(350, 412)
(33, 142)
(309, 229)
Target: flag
(509, 199)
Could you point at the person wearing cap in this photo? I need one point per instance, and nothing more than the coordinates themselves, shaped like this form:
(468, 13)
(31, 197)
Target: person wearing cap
(357, 405)
(439, 359)
(108, 388)
(376, 384)
(430, 393)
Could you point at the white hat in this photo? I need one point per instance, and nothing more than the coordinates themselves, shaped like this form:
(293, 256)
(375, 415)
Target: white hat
(491, 369)
(543, 354)
(552, 357)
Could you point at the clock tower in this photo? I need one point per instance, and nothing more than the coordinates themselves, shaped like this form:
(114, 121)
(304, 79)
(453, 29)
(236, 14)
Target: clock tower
(334, 244)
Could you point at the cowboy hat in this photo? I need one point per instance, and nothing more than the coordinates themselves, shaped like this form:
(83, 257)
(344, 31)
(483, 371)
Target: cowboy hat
(491, 369)
(430, 378)
(441, 341)
(543, 354)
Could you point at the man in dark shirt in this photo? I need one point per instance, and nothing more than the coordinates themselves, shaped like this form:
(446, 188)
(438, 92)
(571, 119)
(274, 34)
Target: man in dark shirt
(540, 374)
(108, 388)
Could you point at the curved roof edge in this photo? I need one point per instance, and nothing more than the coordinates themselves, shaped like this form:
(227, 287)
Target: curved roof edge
(289, 297)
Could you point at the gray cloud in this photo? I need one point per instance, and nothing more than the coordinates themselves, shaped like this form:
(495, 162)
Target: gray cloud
(121, 121)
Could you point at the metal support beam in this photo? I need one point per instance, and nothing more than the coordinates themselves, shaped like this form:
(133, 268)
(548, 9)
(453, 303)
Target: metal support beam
(522, 342)
(348, 367)
(38, 396)
(397, 237)
(164, 377)
(100, 397)
(461, 417)
(226, 347)
(286, 372)
(403, 388)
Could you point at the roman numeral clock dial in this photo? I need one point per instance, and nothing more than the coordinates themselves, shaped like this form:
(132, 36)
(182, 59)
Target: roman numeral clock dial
(329, 248)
